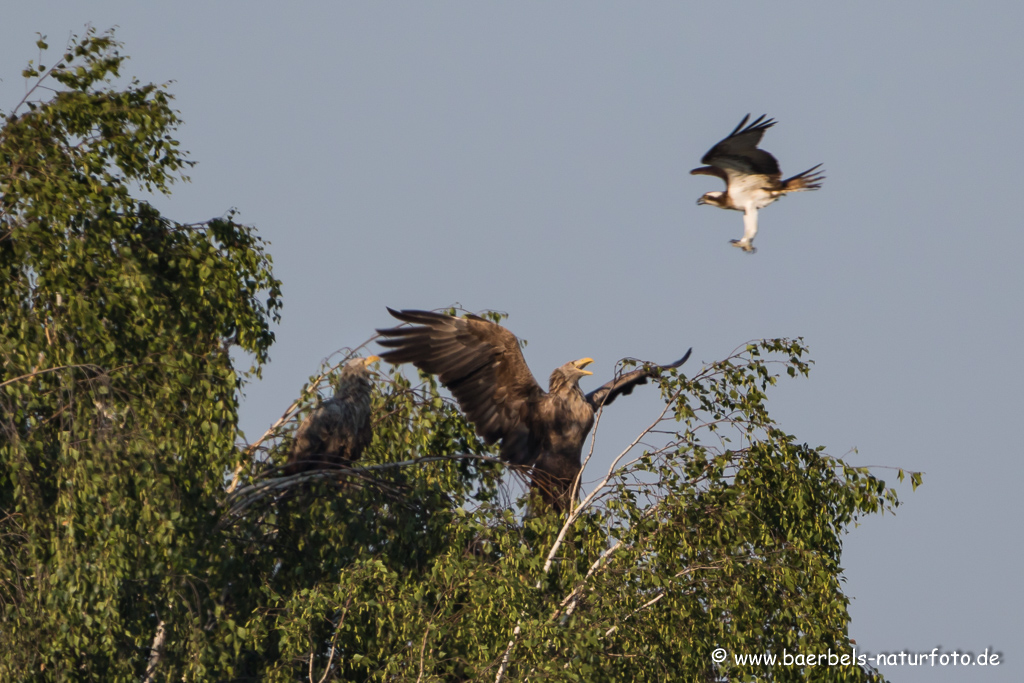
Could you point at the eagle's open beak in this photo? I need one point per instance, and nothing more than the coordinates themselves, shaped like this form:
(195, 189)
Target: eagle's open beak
(582, 363)
(371, 359)
(701, 201)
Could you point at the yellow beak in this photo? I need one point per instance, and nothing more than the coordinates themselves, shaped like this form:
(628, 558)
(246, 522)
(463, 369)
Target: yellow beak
(582, 363)
(371, 359)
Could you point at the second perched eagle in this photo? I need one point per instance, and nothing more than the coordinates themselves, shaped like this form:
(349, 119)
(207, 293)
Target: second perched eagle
(752, 176)
(339, 429)
(482, 365)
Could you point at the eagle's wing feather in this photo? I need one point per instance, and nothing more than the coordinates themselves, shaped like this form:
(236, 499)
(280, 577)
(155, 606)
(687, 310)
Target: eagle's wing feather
(624, 385)
(479, 362)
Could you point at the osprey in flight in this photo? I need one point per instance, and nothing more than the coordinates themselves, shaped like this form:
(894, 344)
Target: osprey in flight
(752, 176)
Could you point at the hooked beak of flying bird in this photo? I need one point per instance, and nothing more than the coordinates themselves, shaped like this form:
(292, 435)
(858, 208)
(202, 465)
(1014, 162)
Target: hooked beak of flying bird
(582, 363)
(701, 201)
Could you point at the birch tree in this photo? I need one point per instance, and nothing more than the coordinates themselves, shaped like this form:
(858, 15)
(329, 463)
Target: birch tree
(118, 395)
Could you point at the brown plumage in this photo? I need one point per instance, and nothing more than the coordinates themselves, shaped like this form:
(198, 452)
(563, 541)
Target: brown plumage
(482, 365)
(339, 429)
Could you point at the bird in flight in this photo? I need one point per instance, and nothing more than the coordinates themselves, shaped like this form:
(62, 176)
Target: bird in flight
(752, 176)
(482, 365)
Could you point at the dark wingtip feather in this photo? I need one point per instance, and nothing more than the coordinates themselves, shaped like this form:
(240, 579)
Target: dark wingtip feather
(406, 315)
(757, 124)
(686, 357)
(742, 123)
(395, 332)
(428, 318)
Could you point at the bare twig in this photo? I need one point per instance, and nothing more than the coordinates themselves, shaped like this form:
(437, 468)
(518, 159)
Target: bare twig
(590, 454)
(577, 593)
(312, 653)
(662, 592)
(245, 497)
(288, 414)
(38, 84)
(577, 511)
(423, 652)
(34, 373)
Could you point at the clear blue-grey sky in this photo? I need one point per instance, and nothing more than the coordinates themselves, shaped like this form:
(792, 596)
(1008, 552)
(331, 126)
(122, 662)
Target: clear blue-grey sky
(533, 158)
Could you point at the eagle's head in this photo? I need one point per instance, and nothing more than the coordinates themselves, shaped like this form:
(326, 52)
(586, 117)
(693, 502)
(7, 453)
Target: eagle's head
(360, 364)
(716, 198)
(355, 372)
(569, 374)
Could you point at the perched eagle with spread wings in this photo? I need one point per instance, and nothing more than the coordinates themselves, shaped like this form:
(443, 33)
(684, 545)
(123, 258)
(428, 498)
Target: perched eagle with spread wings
(752, 176)
(482, 365)
(339, 429)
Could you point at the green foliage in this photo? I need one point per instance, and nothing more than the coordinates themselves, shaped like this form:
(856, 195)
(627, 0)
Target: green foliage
(415, 564)
(118, 398)
(139, 542)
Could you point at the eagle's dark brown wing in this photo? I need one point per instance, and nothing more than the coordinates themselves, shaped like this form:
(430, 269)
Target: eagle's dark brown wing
(479, 362)
(604, 395)
(738, 152)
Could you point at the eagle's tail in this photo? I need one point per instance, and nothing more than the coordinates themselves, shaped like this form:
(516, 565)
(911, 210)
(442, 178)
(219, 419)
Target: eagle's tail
(808, 180)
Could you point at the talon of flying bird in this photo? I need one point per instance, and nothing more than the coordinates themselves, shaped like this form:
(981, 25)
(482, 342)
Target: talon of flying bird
(747, 247)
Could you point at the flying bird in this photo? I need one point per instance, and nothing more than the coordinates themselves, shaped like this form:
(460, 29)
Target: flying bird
(339, 429)
(482, 365)
(752, 176)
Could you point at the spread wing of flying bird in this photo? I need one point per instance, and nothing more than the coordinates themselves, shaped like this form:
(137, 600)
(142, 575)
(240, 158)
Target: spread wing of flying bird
(481, 363)
(752, 176)
(339, 429)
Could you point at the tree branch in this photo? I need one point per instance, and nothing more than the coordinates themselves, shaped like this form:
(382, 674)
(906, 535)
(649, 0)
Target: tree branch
(244, 498)
(503, 668)
(34, 373)
(155, 652)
